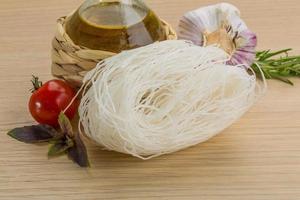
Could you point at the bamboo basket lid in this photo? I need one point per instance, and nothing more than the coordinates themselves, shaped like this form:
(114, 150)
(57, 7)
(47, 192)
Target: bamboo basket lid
(71, 62)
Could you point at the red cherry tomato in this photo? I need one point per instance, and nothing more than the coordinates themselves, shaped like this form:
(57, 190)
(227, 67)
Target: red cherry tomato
(50, 99)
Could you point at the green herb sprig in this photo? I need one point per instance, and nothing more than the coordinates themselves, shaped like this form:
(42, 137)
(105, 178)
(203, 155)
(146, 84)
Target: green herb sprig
(61, 142)
(277, 65)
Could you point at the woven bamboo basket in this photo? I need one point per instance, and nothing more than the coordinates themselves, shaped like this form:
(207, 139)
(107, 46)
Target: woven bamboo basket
(71, 62)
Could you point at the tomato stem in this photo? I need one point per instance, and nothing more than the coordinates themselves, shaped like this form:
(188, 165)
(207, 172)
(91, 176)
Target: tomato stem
(36, 83)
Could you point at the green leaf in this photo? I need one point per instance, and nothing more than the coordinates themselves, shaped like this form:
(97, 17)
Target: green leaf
(78, 152)
(65, 125)
(57, 149)
(34, 134)
(281, 78)
(269, 55)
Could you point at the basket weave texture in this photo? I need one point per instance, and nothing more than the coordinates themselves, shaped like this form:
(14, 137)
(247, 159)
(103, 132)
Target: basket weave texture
(71, 62)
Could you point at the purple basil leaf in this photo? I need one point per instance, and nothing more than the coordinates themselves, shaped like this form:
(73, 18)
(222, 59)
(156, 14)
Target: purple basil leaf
(78, 152)
(65, 125)
(57, 149)
(34, 134)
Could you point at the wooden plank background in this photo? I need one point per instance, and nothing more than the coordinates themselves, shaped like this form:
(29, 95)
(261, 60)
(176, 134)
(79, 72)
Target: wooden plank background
(258, 158)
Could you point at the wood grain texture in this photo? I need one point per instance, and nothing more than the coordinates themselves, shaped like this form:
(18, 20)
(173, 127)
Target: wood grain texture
(258, 158)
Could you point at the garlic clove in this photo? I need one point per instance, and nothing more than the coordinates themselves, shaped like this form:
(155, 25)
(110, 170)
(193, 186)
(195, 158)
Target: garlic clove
(245, 50)
(220, 25)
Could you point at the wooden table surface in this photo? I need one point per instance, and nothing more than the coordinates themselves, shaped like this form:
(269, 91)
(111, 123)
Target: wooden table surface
(258, 158)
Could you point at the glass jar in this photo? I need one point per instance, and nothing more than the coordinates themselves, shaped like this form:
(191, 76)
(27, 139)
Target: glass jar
(114, 25)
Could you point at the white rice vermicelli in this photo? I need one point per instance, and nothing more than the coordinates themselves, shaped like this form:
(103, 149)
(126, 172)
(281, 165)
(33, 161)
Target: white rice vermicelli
(163, 98)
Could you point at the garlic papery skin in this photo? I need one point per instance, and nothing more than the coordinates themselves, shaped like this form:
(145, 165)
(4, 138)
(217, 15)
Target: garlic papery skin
(220, 25)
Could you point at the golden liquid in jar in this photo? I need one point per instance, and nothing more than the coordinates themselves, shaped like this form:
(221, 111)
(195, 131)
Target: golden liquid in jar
(114, 27)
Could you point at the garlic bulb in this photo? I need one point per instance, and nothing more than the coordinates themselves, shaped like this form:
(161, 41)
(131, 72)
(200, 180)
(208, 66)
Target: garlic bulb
(220, 25)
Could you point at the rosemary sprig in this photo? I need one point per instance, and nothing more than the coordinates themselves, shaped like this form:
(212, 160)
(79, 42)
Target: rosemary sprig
(277, 65)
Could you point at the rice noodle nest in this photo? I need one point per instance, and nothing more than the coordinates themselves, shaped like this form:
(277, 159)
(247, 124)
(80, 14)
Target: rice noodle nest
(164, 97)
